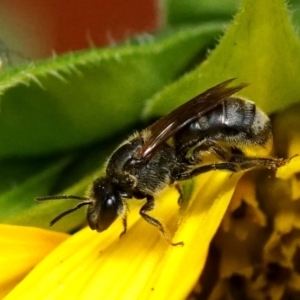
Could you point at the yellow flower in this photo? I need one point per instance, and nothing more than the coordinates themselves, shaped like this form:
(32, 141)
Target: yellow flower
(21, 249)
(139, 265)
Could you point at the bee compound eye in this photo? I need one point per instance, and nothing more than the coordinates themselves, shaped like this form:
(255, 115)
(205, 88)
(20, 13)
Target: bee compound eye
(109, 204)
(101, 216)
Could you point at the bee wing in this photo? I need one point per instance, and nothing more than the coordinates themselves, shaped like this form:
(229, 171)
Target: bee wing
(168, 125)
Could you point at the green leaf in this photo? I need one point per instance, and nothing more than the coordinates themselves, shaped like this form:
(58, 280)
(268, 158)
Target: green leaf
(260, 47)
(14, 171)
(196, 11)
(71, 174)
(294, 7)
(180, 13)
(75, 99)
(20, 199)
(19, 208)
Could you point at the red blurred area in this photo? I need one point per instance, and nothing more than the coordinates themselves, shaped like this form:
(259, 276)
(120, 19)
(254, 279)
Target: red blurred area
(43, 26)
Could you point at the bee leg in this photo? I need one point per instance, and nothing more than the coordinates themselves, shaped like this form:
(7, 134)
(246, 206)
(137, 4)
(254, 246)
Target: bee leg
(209, 146)
(148, 206)
(182, 201)
(236, 164)
(202, 148)
(260, 162)
(228, 166)
(179, 190)
(189, 152)
(124, 221)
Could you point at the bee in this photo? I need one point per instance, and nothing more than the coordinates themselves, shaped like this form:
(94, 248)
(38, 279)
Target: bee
(212, 131)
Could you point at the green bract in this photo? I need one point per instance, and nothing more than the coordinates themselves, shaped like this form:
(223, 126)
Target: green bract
(78, 98)
(260, 47)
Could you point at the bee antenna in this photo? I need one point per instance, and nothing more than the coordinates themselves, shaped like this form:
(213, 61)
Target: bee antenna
(85, 201)
(69, 210)
(60, 197)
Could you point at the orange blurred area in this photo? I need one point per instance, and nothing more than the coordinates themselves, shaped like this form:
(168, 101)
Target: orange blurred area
(37, 28)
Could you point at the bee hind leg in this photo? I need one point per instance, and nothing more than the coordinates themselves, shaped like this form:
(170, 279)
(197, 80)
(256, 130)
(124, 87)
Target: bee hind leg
(236, 164)
(148, 206)
(260, 162)
(233, 167)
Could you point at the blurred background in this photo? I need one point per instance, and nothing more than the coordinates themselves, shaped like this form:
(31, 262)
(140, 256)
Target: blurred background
(36, 29)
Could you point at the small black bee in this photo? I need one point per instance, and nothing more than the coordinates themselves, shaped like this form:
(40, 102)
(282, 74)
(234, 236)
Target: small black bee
(214, 126)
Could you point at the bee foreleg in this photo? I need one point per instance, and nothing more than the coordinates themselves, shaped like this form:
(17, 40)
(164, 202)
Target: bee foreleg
(148, 206)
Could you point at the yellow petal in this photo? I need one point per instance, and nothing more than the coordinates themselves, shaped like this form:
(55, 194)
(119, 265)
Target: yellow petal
(141, 264)
(243, 211)
(21, 249)
(289, 170)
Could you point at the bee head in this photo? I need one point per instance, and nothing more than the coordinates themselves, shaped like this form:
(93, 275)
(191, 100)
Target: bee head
(106, 204)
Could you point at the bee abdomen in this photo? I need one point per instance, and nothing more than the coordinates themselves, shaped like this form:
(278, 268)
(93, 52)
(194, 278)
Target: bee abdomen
(235, 121)
(232, 114)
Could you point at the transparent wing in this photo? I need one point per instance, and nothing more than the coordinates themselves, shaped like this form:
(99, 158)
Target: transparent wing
(167, 126)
